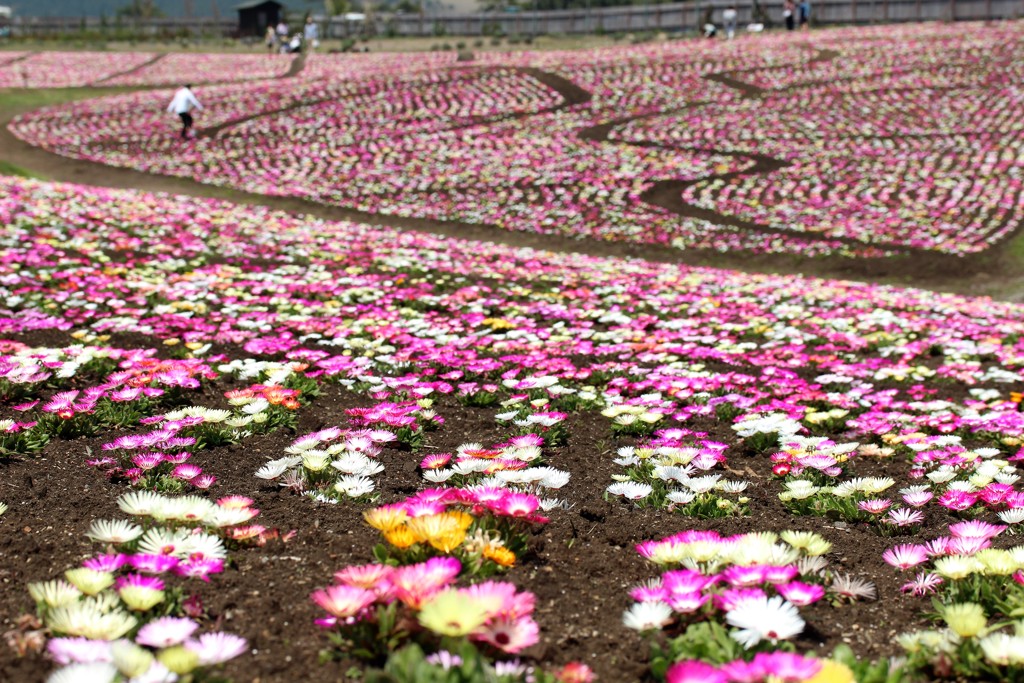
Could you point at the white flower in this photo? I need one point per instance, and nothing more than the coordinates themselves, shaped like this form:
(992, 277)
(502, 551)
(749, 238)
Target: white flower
(630, 489)
(354, 486)
(1012, 516)
(733, 486)
(438, 476)
(553, 478)
(681, 497)
(702, 484)
(275, 468)
(764, 618)
(1003, 649)
(95, 672)
(644, 616)
(140, 503)
(113, 531)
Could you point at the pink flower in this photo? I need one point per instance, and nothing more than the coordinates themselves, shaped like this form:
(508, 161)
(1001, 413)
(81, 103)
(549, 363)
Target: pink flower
(875, 506)
(923, 584)
(343, 602)
(509, 635)
(165, 632)
(905, 556)
(217, 648)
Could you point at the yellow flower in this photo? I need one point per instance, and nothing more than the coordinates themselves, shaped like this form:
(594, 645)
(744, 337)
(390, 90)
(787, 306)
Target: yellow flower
(178, 659)
(832, 672)
(500, 555)
(451, 613)
(400, 537)
(966, 619)
(385, 518)
(448, 541)
(429, 527)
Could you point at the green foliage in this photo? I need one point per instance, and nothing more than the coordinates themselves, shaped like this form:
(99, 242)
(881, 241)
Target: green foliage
(707, 641)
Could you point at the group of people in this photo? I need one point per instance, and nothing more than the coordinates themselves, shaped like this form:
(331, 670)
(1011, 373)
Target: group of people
(791, 13)
(278, 40)
(802, 9)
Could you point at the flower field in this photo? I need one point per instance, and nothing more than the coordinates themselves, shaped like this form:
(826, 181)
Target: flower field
(860, 143)
(421, 443)
(252, 445)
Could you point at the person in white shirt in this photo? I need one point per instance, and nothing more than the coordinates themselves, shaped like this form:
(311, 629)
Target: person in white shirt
(182, 105)
(729, 18)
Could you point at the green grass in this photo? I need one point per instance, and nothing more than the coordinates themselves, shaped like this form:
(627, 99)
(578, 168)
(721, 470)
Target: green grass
(17, 100)
(7, 168)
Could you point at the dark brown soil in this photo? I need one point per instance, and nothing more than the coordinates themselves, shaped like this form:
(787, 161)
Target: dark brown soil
(580, 566)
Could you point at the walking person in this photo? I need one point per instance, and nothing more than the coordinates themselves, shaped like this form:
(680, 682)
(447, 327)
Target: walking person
(182, 104)
(271, 39)
(729, 19)
(311, 34)
(787, 14)
(805, 13)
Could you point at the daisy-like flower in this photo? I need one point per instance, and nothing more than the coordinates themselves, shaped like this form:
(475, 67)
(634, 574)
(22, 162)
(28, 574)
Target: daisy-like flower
(1013, 515)
(646, 616)
(905, 556)
(165, 632)
(90, 620)
(414, 584)
(1003, 649)
(343, 601)
(89, 581)
(693, 671)
(106, 563)
(975, 528)
(801, 594)
(509, 635)
(904, 517)
(875, 506)
(139, 503)
(966, 619)
(917, 498)
(54, 593)
(199, 568)
(852, 588)
(140, 593)
(95, 672)
(78, 650)
(153, 564)
(923, 584)
(354, 486)
(217, 648)
(453, 613)
(771, 619)
(435, 460)
(113, 531)
(631, 490)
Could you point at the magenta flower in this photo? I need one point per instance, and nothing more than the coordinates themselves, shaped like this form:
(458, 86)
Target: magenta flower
(199, 568)
(692, 671)
(801, 594)
(153, 564)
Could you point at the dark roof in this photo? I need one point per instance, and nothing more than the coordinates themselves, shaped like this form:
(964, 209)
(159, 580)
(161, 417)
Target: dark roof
(256, 3)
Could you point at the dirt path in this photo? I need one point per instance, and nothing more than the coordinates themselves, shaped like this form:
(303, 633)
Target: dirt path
(134, 69)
